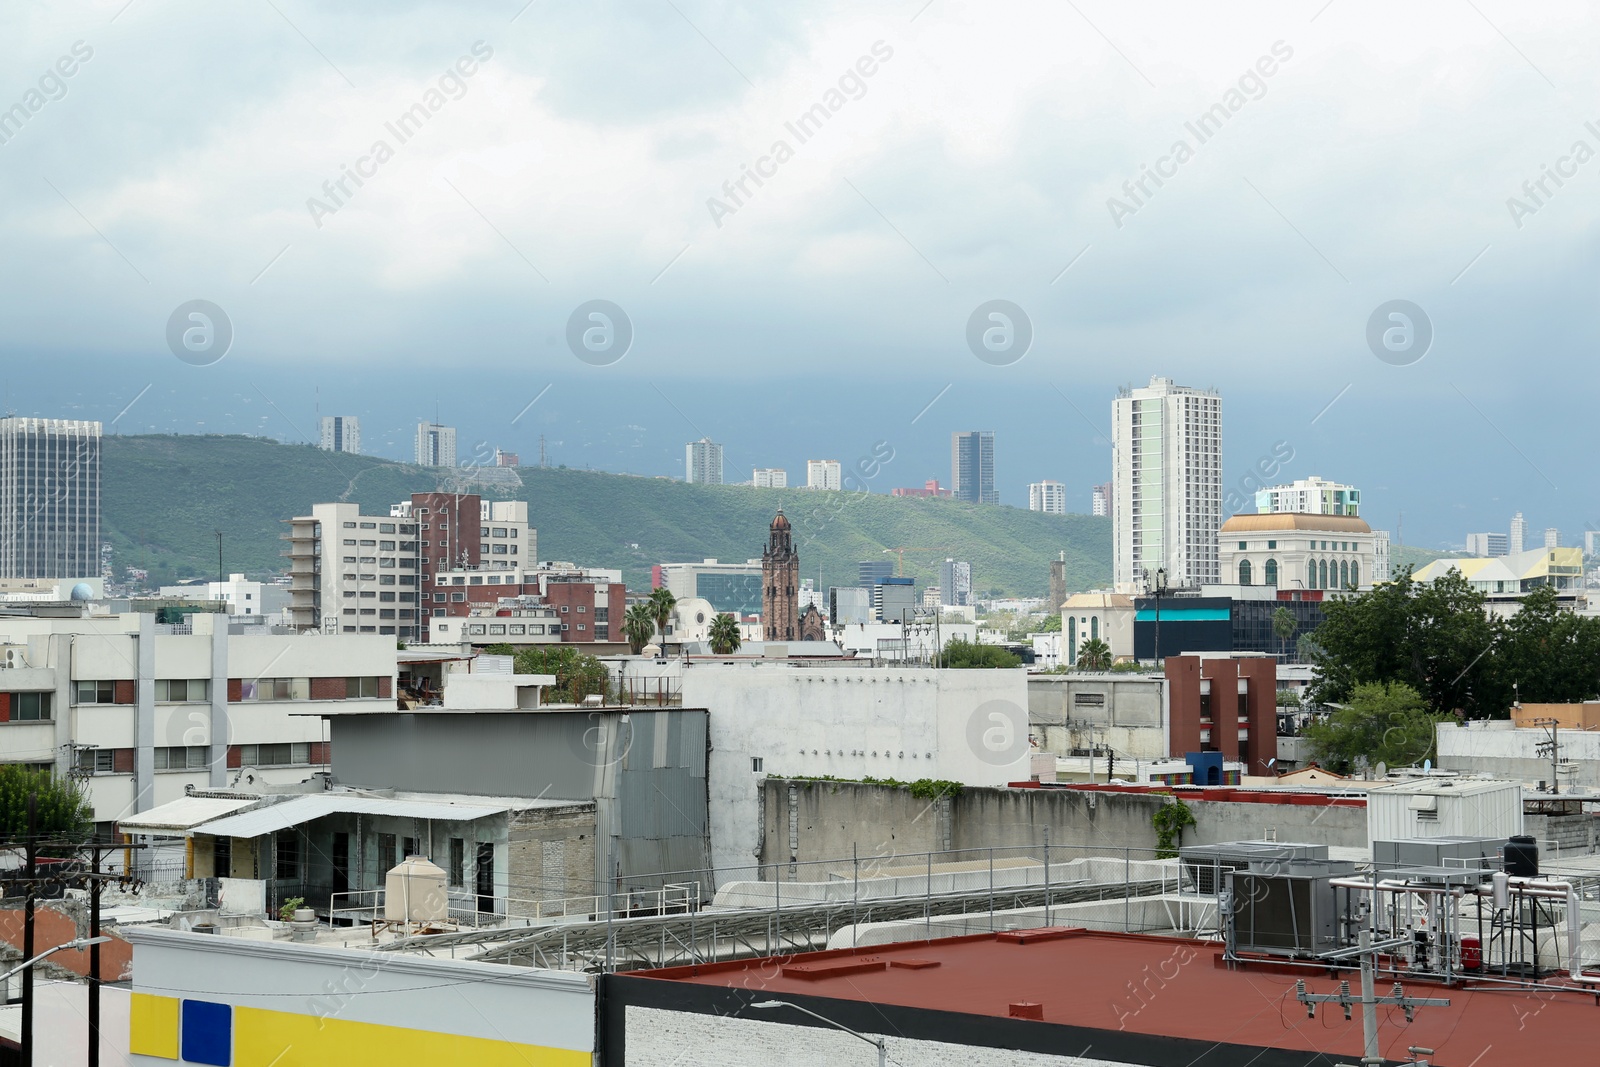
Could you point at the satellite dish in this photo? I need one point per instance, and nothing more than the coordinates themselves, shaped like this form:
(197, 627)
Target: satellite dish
(1272, 762)
(1382, 769)
(1427, 765)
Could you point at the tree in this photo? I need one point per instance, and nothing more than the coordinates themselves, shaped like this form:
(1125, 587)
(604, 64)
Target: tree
(961, 654)
(577, 674)
(1094, 655)
(1284, 625)
(661, 604)
(638, 626)
(1388, 722)
(64, 810)
(1052, 624)
(724, 635)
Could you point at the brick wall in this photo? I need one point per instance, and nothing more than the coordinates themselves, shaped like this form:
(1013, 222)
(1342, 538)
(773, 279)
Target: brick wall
(124, 691)
(328, 688)
(57, 923)
(564, 869)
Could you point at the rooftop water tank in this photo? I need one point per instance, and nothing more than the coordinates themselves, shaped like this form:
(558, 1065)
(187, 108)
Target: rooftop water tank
(414, 892)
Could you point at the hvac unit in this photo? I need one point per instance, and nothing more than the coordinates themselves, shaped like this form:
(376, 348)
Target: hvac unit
(1288, 910)
(1206, 864)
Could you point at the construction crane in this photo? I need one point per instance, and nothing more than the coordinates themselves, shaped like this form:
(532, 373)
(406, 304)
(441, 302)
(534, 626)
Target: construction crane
(900, 553)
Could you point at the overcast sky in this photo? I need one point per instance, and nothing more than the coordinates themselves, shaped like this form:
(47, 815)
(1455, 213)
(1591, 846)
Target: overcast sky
(1356, 153)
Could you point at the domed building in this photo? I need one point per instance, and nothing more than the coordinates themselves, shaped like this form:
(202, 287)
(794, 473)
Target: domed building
(1301, 551)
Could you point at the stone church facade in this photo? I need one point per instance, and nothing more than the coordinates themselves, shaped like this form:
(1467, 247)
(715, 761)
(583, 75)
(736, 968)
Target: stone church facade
(780, 584)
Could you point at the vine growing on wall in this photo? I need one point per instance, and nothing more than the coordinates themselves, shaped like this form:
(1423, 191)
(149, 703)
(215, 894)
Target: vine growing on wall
(1169, 821)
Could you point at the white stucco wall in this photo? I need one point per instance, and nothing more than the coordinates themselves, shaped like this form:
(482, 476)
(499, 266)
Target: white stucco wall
(969, 726)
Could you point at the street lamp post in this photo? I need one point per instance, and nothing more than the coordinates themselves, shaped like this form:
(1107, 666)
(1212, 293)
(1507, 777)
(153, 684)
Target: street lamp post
(877, 1042)
(1160, 587)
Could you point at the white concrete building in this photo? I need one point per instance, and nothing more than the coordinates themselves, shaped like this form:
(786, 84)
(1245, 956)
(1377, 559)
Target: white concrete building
(1487, 545)
(1300, 551)
(1517, 539)
(341, 433)
(730, 587)
(1309, 496)
(144, 710)
(1048, 497)
(353, 573)
(779, 719)
(1106, 617)
(702, 462)
(770, 478)
(436, 445)
(1100, 501)
(242, 596)
(1166, 476)
(824, 474)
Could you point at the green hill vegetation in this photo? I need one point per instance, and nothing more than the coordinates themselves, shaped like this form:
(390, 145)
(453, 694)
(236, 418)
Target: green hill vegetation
(166, 496)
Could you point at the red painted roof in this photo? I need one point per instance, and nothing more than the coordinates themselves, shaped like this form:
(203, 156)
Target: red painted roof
(1177, 988)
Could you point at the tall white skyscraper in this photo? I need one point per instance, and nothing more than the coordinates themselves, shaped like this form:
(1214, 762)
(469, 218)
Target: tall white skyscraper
(824, 474)
(702, 462)
(770, 478)
(1517, 540)
(341, 433)
(955, 583)
(1100, 500)
(1166, 477)
(49, 498)
(1309, 496)
(1552, 537)
(436, 445)
(1048, 497)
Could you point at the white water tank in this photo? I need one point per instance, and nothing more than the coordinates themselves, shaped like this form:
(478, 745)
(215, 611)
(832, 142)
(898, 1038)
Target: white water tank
(414, 892)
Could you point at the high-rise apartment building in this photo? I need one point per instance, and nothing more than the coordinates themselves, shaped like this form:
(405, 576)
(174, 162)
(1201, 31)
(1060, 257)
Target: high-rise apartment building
(955, 583)
(1517, 539)
(824, 474)
(49, 498)
(1100, 500)
(436, 445)
(702, 462)
(1048, 497)
(869, 572)
(1166, 485)
(1552, 537)
(1309, 496)
(972, 467)
(770, 478)
(1488, 545)
(341, 433)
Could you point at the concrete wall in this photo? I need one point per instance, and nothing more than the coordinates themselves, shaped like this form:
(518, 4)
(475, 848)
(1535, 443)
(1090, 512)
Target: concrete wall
(968, 726)
(1070, 713)
(1498, 748)
(813, 821)
(550, 856)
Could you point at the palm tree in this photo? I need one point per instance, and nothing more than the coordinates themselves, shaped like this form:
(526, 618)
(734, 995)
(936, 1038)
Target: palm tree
(724, 635)
(1094, 655)
(661, 604)
(1284, 625)
(639, 625)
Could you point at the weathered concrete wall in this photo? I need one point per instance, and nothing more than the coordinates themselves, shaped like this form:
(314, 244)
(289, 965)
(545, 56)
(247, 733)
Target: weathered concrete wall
(812, 821)
(56, 922)
(1497, 748)
(551, 856)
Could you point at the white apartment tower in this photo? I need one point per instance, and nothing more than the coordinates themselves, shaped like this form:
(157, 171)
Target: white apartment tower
(1100, 501)
(1309, 496)
(1166, 477)
(702, 462)
(436, 445)
(1048, 497)
(824, 474)
(49, 498)
(1518, 538)
(770, 478)
(341, 433)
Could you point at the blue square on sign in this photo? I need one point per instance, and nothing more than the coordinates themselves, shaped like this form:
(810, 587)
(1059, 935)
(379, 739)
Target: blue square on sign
(207, 1032)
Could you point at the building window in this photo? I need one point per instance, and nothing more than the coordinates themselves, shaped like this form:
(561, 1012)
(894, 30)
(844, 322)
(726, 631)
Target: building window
(756, 764)
(458, 862)
(1344, 573)
(98, 761)
(359, 688)
(1311, 574)
(181, 758)
(95, 692)
(1322, 574)
(1355, 573)
(288, 856)
(1244, 572)
(458, 598)
(1273, 545)
(30, 707)
(1269, 573)
(181, 690)
(275, 689)
(279, 755)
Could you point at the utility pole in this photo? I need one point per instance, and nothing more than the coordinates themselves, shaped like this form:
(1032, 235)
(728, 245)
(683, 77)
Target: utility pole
(1551, 748)
(94, 960)
(26, 1032)
(221, 576)
(1369, 1001)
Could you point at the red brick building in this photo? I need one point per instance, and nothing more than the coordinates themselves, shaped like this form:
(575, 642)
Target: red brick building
(588, 605)
(1226, 704)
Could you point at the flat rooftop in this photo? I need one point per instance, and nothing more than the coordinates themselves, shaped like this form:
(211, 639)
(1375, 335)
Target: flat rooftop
(1166, 987)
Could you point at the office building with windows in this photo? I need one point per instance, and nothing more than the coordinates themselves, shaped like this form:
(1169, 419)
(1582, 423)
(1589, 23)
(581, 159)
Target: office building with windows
(734, 588)
(972, 467)
(824, 474)
(436, 445)
(341, 433)
(1487, 545)
(1309, 496)
(1100, 500)
(769, 478)
(869, 572)
(1048, 497)
(49, 498)
(702, 462)
(1166, 476)
(955, 583)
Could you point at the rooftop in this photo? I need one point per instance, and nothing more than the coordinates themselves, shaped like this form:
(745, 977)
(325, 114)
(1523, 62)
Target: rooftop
(1155, 999)
(1295, 521)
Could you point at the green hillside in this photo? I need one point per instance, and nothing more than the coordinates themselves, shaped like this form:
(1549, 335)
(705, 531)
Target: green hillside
(164, 498)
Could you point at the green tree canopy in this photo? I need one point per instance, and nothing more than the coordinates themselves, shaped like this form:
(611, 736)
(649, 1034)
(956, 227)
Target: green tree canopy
(577, 674)
(638, 626)
(64, 810)
(1381, 721)
(961, 654)
(1094, 655)
(724, 635)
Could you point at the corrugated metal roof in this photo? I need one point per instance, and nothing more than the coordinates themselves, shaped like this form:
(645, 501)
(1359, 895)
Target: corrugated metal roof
(304, 809)
(182, 814)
